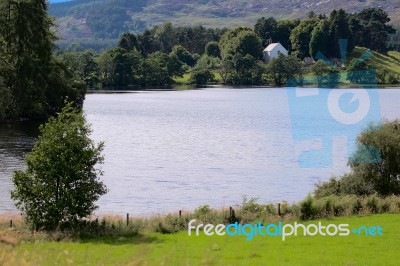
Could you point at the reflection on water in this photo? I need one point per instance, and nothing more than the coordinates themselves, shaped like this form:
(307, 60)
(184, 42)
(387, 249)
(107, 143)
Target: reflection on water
(16, 140)
(166, 151)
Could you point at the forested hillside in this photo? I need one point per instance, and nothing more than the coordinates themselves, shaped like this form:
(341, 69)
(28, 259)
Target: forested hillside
(107, 19)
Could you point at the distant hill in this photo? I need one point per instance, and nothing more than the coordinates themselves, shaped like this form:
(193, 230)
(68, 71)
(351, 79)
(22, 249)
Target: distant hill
(58, 1)
(107, 19)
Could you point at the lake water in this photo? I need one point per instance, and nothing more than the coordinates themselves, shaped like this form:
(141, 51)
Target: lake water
(171, 150)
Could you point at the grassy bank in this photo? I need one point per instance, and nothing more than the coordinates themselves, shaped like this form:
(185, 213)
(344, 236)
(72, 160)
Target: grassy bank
(380, 61)
(180, 249)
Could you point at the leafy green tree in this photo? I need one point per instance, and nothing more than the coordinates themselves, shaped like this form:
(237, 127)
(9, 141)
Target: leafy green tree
(240, 40)
(61, 183)
(106, 68)
(266, 28)
(175, 67)
(371, 28)
(375, 165)
(38, 82)
(82, 65)
(246, 71)
(300, 36)
(183, 55)
(225, 68)
(377, 158)
(165, 35)
(125, 65)
(283, 31)
(129, 42)
(201, 76)
(319, 41)
(325, 75)
(339, 29)
(212, 49)
(154, 71)
(282, 68)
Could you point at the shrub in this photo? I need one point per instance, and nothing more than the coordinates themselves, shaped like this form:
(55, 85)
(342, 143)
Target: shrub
(307, 208)
(61, 182)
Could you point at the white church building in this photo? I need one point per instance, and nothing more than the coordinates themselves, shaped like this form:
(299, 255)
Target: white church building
(273, 50)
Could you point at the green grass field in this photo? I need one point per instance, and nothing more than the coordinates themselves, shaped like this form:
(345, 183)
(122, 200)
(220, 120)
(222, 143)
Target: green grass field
(181, 249)
(389, 61)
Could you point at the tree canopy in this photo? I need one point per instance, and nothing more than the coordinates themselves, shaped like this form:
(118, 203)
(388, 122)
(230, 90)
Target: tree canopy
(61, 183)
(375, 165)
(37, 83)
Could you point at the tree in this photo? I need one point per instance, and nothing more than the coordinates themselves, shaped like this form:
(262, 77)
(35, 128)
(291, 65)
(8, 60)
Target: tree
(246, 70)
(371, 29)
(129, 42)
(212, 49)
(38, 83)
(200, 76)
(154, 71)
(339, 29)
(61, 183)
(106, 68)
(319, 39)
(283, 32)
(300, 36)
(240, 40)
(125, 64)
(283, 68)
(225, 68)
(325, 75)
(266, 28)
(375, 164)
(183, 55)
(377, 157)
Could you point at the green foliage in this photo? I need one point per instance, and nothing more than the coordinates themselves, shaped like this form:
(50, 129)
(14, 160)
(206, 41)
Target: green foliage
(61, 182)
(283, 68)
(266, 29)
(361, 73)
(319, 41)
(212, 49)
(380, 144)
(201, 76)
(339, 29)
(5, 101)
(300, 36)
(308, 210)
(375, 165)
(325, 75)
(183, 55)
(386, 77)
(37, 83)
(348, 184)
(371, 29)
(283, 31)
(240, 40)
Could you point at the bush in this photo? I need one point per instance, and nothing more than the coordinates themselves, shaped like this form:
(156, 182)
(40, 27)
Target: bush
(61, 182)
(201, 76)
(307, 208)
(170, 224)
(375, 165)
